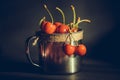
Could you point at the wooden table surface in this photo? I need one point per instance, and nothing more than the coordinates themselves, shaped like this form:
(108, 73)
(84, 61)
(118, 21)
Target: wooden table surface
(90, 70)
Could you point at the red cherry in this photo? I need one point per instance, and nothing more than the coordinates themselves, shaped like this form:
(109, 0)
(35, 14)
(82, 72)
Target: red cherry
(49, 28)
(43, 24)
(63, 28)
(57, 24)
(74, 29)
(69, 49)
(81, 49)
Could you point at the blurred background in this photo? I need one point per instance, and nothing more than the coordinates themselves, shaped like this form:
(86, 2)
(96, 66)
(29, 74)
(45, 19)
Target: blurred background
(19, 19)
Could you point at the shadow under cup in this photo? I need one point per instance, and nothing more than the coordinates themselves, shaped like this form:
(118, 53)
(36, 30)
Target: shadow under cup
(52, 57)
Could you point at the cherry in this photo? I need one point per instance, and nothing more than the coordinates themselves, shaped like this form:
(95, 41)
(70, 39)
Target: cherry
(69, 49)
(74, 29)
(63, 28)
(49, 28)
(43, 24)
(57, 24)
(81, 49)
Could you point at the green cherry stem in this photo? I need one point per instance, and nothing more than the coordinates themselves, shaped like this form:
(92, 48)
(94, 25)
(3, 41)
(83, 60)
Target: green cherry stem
(79, 21)
(63, 15)
(49, 13)
(76, 25)
(40, 22)
(74, 14)
(84, 20)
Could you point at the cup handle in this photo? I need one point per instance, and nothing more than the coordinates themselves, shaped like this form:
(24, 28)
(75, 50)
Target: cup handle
(28, 50)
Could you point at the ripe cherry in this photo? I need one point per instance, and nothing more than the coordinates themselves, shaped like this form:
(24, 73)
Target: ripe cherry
(81, 49)
(69, 49)
(43, 24)
(63, 28)
(74, 30)
(57, 24)
(49, 28)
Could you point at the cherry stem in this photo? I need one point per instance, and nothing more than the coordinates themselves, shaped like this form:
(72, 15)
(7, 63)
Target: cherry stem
(40, 22)
(79, 21)
(49, 13)
(71, 36)
(63, 15)
(69, 30)
(71, 39)
(74, 14)
(76, 25)
(84, 20)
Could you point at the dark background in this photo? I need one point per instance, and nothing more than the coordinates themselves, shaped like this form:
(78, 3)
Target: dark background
(19, 19)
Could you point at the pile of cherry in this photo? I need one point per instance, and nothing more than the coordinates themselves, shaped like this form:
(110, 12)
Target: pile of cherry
(56, 27)
(60, 27)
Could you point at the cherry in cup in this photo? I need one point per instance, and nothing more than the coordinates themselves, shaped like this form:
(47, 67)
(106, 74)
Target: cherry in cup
(49, 28)
(43, 23)
(57, 24)
(63, 29)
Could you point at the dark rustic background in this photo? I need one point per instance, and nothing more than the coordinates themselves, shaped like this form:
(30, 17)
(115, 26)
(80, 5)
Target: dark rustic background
(19, 20)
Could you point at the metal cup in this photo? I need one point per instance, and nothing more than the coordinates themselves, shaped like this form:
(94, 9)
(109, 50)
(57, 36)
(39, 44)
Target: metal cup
(52, 57)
